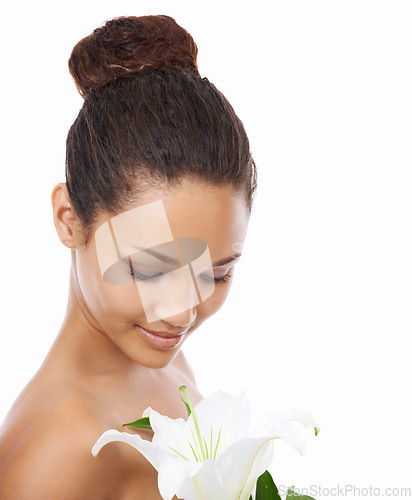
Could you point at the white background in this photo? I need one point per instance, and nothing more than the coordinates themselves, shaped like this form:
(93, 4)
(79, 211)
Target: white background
(319, 316)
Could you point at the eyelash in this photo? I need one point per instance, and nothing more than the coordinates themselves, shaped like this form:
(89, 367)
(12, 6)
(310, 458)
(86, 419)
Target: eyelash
(155, 278)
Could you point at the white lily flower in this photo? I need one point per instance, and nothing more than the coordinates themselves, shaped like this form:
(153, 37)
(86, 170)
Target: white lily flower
(212, 455)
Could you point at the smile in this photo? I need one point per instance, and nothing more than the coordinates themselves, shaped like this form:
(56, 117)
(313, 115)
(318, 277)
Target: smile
(162, 340)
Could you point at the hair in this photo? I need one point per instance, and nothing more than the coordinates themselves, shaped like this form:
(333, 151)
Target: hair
(149, 120)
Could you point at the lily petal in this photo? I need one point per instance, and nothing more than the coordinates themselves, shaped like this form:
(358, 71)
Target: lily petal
(242, 463)
(287, 426)
(228, 413)
(151, 452)
(173, 472)
(271, 420)
(205, 485)
(171, 434)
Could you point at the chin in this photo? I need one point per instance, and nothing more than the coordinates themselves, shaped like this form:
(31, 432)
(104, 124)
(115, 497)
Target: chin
(158, 360)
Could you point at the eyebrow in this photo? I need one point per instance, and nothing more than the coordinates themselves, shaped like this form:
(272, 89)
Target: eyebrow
(170, 260)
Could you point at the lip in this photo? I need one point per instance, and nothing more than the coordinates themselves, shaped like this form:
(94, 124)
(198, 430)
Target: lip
(162, 340)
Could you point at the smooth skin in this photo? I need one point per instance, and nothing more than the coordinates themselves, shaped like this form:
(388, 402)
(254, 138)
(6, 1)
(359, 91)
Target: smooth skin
(100, 374)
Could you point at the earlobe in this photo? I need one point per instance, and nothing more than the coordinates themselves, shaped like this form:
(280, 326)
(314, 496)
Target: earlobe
(64, 216)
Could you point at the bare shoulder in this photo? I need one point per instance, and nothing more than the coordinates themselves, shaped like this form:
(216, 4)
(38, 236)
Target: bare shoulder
(45, 451)
(47, 438)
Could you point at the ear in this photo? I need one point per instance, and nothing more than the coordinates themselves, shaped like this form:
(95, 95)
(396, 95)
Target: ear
(64, 216)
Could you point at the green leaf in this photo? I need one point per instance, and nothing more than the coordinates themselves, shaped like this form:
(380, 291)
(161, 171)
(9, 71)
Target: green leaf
(293, 496)
(142, 423)
(187, 403)
(189, 411)
(266, 488)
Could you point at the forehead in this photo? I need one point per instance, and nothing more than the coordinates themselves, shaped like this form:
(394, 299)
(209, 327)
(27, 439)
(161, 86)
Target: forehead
(215, 214)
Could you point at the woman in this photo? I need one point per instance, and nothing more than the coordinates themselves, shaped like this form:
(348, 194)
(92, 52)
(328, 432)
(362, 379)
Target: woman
(155, 208)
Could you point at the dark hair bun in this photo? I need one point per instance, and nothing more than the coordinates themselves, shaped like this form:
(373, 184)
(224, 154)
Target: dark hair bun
(125, 46)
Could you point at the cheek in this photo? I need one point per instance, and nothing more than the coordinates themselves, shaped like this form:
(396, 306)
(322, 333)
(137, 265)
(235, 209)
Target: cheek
(120, 302)
(214, 302)
(107, 302)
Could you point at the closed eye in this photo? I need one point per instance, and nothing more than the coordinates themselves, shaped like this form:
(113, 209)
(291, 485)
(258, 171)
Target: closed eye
(154, 278)
(143, 277)
(220, 280)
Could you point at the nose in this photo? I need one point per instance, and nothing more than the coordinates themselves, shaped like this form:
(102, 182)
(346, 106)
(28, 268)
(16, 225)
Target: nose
(182, 319)
(175, 298)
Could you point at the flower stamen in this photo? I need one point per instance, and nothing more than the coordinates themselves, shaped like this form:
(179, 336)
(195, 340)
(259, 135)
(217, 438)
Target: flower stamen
(180, 455)
(207, 451)
(217, 444)
(190, 444)
(199, 437)
(197, 447)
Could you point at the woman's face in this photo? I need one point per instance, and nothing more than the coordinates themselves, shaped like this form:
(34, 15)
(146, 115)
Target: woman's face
(152, 274)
